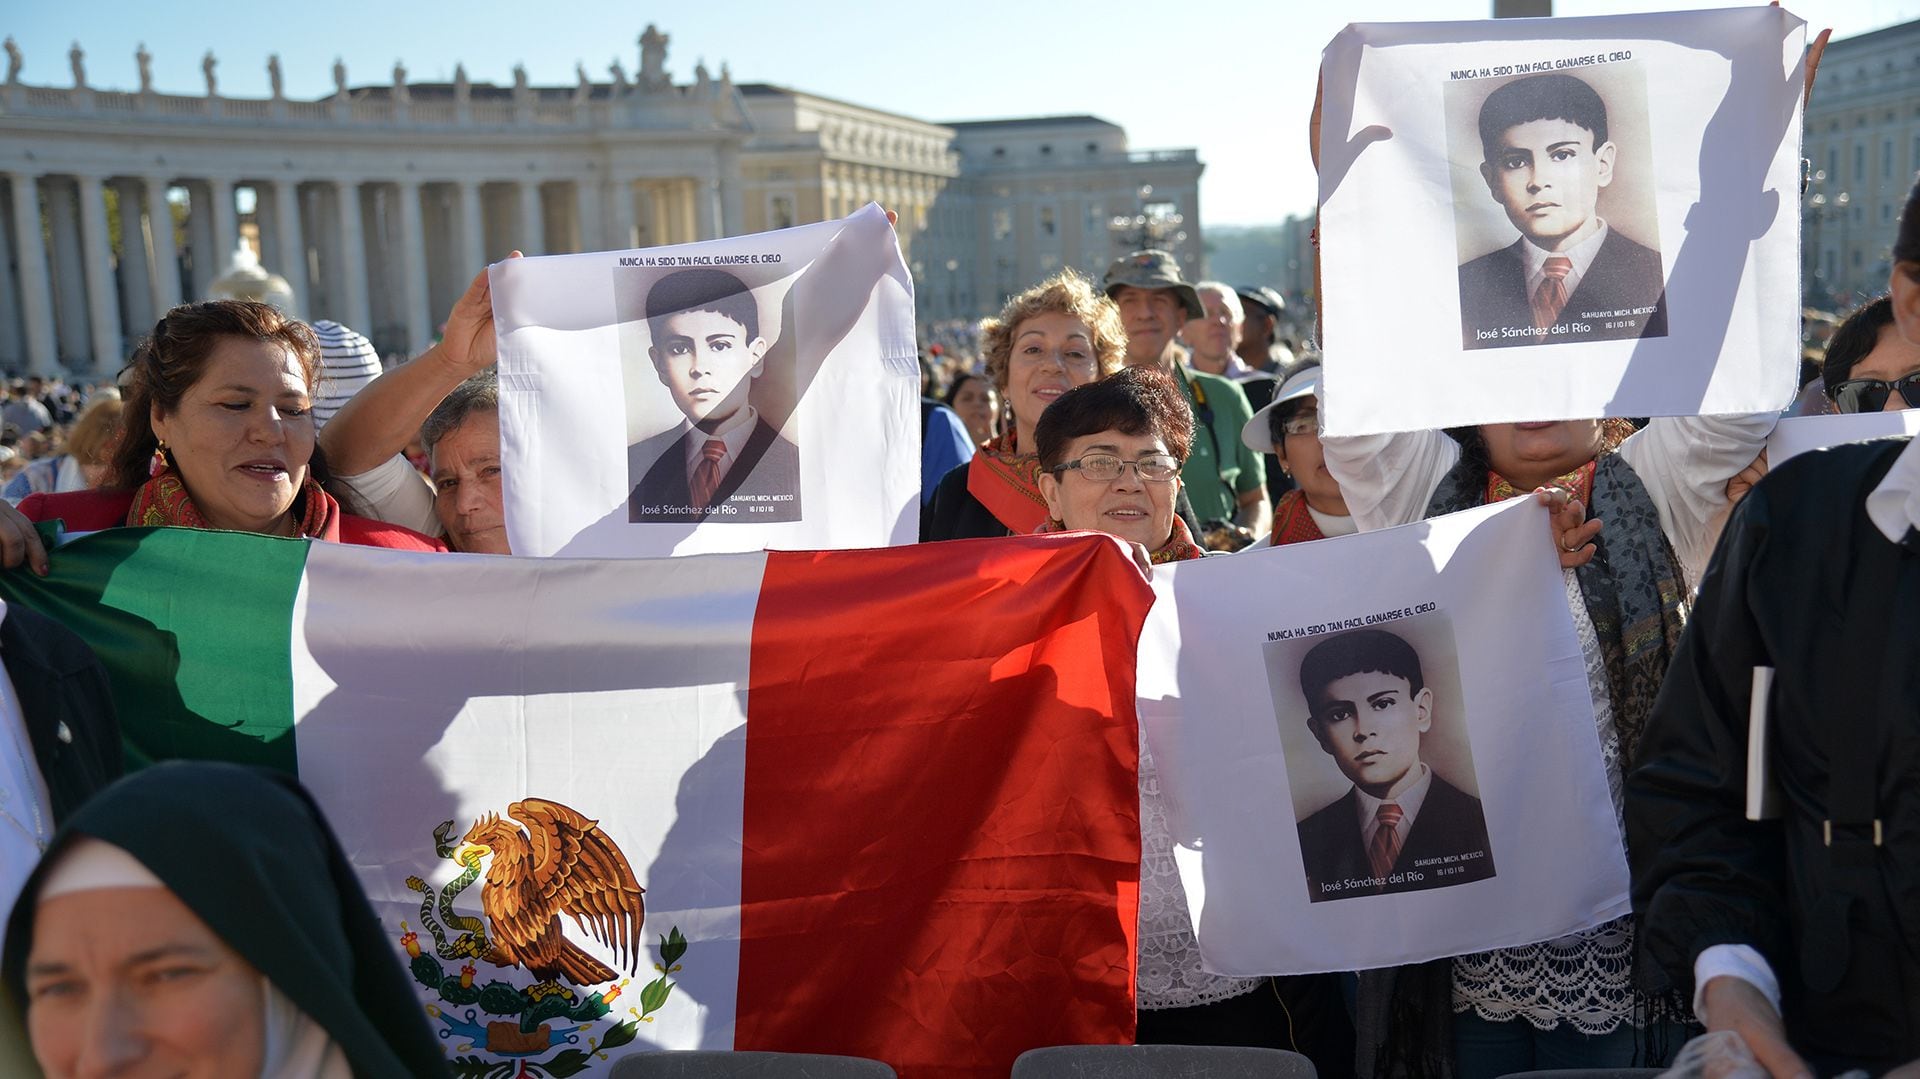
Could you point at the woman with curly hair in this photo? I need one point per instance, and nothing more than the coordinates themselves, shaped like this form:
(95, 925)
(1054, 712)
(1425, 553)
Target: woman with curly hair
(1054, 336)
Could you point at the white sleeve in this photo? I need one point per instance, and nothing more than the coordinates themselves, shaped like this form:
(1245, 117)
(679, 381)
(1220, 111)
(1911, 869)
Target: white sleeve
(1388, 480)
(1685, 463)
(396, 493)
(1732, 961)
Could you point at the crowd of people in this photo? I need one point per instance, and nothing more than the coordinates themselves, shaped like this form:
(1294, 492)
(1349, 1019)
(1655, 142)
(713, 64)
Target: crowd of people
(1181, 417)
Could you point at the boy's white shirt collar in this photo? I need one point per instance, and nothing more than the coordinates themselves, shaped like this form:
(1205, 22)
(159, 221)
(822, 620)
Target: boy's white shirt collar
(1894, 504)
(1410, 801)
(733, 434)
(1582, 254)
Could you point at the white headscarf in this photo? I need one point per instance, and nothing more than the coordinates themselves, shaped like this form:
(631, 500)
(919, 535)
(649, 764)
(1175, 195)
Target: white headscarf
(296, 1046)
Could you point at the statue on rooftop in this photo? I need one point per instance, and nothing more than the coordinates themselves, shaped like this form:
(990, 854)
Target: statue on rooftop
(462, 89)
(653, 59)
(400, 92)
(275, 79)
(583, 86)
(79, 61)
(207, 64)
(520, 88)
(14, 62)
(339, 77)
(702, 82)
(620, 83)
(144, 60)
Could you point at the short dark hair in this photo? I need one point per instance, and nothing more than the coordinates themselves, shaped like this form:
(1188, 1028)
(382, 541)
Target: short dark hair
(1541, 97)
(1853, 340)
(702, 290)
(1358, 652)
(1132, 400)
(479, 393)
(960, 382)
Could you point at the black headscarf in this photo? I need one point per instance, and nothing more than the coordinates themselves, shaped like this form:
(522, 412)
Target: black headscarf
(250, 853)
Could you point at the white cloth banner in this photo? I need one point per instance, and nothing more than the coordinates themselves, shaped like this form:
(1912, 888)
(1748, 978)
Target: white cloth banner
(732, 395)
(1796, 435)
(1562, 218)
(1289, 693)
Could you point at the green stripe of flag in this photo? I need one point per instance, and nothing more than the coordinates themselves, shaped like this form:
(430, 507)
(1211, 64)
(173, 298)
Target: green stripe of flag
(195, 630)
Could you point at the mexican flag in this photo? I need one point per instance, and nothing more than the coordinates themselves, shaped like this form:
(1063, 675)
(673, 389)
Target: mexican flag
(880, 803)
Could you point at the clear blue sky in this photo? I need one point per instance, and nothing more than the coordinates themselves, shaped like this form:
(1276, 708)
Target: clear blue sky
(1233, 80)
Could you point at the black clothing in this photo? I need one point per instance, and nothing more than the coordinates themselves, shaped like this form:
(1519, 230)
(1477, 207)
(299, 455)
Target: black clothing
(1305, 1014)
(953, 512)
(1450, 825)
(66, 705)
(249, 852)
(1796, 568)
(1622, 295)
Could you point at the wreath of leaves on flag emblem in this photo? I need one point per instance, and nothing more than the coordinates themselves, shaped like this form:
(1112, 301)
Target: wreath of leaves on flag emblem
(580, 873)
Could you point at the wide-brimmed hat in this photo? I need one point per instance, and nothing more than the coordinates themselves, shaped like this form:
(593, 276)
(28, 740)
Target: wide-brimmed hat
(1257, 433)
(1153, 269)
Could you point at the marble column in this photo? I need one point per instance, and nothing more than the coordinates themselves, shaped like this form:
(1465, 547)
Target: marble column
(706, 206)
(356, 312)
(532, 228)
(586, 209)
(205, 258)
(686, 197)
(620, 203)
(13, 343)
(290, 242)
(473, 227)
(165, 280)
(71, 324)
(733, 211)
(36, 292)
(136, 276)
(413, 268)
(103, 302)
(225, 222)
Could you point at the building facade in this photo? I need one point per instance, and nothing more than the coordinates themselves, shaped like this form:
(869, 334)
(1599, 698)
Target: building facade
(379, 202)
(1862, 146)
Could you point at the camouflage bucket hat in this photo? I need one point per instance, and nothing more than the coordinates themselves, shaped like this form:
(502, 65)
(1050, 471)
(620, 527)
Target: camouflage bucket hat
(1153, 269)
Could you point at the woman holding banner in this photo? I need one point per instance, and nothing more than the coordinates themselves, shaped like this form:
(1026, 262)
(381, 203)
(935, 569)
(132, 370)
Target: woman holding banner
(218, 433)
(1054, 336)
(1109, 461)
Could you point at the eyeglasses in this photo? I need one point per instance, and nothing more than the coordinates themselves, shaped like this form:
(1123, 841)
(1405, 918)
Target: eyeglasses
(1302, 425)
(1105, 467)
(1870, 394)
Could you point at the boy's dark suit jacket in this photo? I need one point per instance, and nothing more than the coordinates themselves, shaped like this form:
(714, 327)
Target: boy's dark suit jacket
(66, 704)
(1450, 822)
(768, 465)
(1623, 276)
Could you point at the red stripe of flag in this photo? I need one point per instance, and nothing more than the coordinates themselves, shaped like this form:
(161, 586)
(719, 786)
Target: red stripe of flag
(941, 834)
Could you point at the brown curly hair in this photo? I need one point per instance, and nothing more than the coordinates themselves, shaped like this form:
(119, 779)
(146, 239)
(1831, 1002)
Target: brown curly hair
(172, 358)
(1133, 400)
(1067, 293)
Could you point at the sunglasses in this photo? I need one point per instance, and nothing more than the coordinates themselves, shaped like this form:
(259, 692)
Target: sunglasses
(1870, 394)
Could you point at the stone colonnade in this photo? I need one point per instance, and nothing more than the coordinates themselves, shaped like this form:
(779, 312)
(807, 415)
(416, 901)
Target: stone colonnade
(385, 256)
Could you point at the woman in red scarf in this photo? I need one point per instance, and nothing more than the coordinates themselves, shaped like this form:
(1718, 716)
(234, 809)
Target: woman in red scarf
(218, 433)
(1056, 335)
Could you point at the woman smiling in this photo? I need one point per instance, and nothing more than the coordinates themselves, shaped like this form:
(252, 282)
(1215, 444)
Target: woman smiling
(1056, 335)
(218, 433)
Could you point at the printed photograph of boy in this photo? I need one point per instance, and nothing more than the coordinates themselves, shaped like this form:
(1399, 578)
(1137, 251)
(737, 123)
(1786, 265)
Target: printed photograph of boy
(1400, 826)
(1546, 156)
(722, 462)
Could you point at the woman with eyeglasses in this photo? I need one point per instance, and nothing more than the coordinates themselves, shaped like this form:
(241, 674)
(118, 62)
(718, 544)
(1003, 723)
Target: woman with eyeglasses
(1109, 455)
(1289, 428)
(1054, 336)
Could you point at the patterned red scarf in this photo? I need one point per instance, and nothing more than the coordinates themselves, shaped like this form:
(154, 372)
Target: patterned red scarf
(163, 500)
(1178, 548)
(1579, 481)
(1007, 482)
(1291, 521)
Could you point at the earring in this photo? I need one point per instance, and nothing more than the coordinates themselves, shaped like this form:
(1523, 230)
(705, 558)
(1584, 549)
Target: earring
(159, 462)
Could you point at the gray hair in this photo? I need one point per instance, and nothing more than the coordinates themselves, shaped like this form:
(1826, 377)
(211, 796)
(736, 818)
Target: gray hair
(1228, 295)
(480, 393)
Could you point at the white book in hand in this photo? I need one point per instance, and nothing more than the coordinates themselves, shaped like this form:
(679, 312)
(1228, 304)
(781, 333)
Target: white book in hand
(1763, 793)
